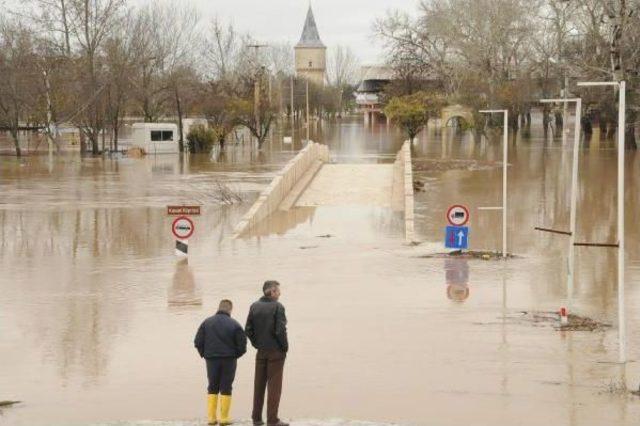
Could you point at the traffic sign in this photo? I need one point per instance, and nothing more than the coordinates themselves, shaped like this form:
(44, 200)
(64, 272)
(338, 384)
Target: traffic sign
(458, 215)
(182, 227)
(457, 237)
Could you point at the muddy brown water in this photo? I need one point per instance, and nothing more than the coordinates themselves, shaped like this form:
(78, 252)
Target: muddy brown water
(97, 316)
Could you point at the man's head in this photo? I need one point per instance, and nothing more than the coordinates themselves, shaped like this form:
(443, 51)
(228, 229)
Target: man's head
(225, 306)
(271, 289)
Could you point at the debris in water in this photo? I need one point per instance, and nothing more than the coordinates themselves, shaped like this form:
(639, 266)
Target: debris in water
(443, 165)
(470, 254)
(575, 323)
(136, 152)
(307, 247)
(325, 236)
(615, 387)
(9, 403)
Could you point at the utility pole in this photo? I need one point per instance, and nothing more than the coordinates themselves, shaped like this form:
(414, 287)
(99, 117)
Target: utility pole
(292, 111)
(308, 121)
(49, 115)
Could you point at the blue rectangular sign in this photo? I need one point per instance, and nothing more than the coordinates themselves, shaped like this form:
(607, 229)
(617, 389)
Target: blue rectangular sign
(457, 237)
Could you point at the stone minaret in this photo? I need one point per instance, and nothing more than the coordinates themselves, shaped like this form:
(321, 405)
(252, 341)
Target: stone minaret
(311, 54)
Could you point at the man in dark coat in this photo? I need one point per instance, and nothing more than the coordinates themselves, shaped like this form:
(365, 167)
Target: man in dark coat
(267, 330)
(220, 340)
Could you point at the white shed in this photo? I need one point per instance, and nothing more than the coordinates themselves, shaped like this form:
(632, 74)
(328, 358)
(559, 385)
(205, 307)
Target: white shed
(156, 138)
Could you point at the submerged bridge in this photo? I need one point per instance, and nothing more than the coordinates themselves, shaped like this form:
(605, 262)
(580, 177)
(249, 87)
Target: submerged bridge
(310, 180)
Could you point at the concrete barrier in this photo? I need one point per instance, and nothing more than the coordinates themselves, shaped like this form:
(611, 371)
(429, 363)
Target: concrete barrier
(281, 185)
(403, 171)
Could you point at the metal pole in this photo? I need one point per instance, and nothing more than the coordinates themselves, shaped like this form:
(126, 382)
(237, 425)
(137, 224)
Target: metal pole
(505, 159)
(574, 203)
(292, 113)
(621, 148)
(49, 117)
(256, 101)
(565, 109)
(308, 122)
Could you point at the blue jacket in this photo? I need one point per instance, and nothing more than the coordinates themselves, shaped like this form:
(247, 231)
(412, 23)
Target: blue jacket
(220, 336)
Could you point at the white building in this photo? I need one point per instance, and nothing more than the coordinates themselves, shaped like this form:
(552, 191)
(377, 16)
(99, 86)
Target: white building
(155, 138)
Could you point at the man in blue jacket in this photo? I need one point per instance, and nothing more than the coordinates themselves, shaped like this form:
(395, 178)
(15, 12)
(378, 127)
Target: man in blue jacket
(220, 340)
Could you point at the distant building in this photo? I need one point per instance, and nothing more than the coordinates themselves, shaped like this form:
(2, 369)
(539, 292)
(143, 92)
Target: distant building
(369, 91)
(311, 53)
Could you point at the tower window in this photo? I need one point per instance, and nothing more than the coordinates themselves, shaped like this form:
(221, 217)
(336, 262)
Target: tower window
(310, 64)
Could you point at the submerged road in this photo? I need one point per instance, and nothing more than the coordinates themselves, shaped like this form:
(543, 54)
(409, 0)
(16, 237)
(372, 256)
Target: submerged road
(97, 316)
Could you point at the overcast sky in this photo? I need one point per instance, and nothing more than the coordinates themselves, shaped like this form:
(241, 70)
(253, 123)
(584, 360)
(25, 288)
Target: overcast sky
(346, 22)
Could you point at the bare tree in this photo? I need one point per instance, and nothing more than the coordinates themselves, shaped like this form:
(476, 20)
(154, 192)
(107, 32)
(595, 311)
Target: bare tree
(19, 79)
(91, 23)
(342, 66)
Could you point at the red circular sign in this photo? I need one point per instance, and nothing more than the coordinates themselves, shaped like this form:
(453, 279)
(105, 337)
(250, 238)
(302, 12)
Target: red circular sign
(458, 215)
(182, 227)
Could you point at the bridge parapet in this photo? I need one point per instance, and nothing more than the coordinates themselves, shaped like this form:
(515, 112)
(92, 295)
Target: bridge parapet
(403, 189)
(273, 195)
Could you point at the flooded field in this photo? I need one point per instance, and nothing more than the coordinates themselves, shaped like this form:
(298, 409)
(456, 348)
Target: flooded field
(97, 316)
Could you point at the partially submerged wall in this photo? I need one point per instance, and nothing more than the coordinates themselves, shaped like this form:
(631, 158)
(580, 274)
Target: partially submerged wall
(403, 189)
(281, 185)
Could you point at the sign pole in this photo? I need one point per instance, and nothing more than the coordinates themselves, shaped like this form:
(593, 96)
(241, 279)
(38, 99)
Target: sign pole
(621, 148)
(574, 205)
(505, 157)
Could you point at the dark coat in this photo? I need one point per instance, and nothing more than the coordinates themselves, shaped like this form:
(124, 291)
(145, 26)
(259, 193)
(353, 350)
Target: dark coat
(267, 325)
(220, 336)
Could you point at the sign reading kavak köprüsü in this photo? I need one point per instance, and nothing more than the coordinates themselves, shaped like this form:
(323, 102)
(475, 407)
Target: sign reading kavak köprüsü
(183, 210)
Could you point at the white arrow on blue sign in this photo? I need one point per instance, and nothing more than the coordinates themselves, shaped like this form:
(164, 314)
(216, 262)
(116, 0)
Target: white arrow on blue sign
(457, 237)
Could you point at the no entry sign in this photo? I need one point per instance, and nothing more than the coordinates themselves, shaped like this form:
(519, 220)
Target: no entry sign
(458, 215)
(182, 227)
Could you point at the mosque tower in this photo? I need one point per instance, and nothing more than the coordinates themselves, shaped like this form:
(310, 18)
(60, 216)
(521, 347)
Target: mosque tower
(311, 53)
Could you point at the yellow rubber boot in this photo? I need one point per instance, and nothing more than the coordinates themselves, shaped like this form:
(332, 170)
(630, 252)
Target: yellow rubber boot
(212, 409)
(225, 407)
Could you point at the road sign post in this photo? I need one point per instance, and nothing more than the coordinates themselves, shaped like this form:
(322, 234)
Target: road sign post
(182, 228)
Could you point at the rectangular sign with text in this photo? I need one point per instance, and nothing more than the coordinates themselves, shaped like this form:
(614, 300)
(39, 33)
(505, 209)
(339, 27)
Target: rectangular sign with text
(183, 210)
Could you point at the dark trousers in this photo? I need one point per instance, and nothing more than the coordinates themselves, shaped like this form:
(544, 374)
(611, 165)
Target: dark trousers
(221, 372)
(269, 368)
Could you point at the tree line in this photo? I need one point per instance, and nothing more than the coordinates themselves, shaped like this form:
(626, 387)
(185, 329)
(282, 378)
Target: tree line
(511, 53)
(91, 63)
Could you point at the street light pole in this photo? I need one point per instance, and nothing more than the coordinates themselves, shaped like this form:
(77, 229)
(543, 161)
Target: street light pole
(308, 122)
(573, 195)
(505, 159)
(621, 85)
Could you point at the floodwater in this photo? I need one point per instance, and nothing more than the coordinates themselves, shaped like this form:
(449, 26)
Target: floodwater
(97, 316)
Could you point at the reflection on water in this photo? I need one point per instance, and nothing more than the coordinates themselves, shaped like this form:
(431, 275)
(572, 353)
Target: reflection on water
(183, 291)
(97, 316)
(457, 278)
